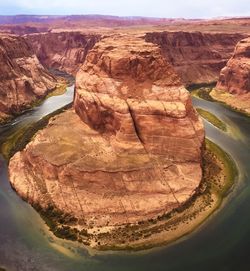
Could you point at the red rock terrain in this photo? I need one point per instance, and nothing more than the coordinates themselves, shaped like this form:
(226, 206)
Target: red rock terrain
(233, 86)
(198, 52)
(129, 151)
(65, 51)
(197, 57)
(23, 79)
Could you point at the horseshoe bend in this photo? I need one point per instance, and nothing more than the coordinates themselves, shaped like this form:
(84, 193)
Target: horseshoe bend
(124, 139)
(124, 158)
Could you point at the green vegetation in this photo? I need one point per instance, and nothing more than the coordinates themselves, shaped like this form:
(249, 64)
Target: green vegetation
(64, 80)
(62, 224)
(17, 140)
(220, 172)
(203, 93)
(224, 98)
(201, 85)
(212, 119)
(59, 90)
(58, 222)
(229, 166)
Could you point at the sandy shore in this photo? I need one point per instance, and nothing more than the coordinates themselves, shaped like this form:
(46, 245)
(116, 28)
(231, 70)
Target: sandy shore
(240, 103)
(219, 175)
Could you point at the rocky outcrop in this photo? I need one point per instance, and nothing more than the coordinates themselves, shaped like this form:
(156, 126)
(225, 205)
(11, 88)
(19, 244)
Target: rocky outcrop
(233, 86)
(23, 79)
(235, 77)
(64, 51)
(197, 57)
(128, 152)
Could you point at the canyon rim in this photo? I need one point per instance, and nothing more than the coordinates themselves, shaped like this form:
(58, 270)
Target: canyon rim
(122, 133)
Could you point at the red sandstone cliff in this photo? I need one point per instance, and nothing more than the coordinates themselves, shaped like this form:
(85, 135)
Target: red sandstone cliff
(235, 77)
(65, 51)
(132, 151)
(197, 57)
(22, 77)
(233, 86)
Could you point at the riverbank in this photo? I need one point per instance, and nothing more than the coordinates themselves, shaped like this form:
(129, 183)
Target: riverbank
(60, 89)
(212, 119)
(219, 175)
(64, 80)
(31, 239)
(236, 104)
(19, 138)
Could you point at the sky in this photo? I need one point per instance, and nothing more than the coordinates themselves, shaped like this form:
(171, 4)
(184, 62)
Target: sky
(149, 8)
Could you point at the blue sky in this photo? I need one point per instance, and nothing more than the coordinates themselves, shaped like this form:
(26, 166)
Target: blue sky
(152, 8)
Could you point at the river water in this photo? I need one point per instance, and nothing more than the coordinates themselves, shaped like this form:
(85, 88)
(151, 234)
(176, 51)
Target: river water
(221, 243)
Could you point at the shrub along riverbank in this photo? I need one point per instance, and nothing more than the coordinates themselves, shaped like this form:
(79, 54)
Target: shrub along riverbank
(212, 119)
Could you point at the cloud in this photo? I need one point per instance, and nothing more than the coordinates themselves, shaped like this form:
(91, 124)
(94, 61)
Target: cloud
(153, 8)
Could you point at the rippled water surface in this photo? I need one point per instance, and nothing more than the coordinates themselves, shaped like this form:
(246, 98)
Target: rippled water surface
(222, 243)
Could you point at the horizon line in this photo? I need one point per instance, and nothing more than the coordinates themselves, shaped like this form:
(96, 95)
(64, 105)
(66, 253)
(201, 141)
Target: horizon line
(125, 16)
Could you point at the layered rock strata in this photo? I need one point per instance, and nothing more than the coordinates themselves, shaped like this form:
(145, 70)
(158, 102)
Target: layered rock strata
(23, 79)
(233, 86)
(197, 57)
(64, 51)
(130, 149)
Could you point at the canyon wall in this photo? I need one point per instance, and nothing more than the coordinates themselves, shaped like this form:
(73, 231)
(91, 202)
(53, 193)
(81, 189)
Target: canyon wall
(197, 57)
(23, 79)
(233, 86)
(130, 149)
(235, 76)
(65, 51)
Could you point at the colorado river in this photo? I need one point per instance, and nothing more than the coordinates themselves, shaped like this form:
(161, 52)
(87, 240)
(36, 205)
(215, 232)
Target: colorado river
(222, 243)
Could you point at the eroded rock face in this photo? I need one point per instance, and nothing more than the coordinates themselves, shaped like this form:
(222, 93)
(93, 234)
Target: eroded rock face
(65, 51)
(129, 151)
(233, 86)
(235, 77)
(197, 57)
(22, 77)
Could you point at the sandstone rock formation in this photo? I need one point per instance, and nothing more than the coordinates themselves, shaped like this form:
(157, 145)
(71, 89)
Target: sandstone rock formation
(197, 57)
(22, 77)
(129, 151)
(235, 77)
(65, 51)
(233, 86)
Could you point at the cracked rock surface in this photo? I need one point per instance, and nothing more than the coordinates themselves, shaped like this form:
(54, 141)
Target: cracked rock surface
(130, 148)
